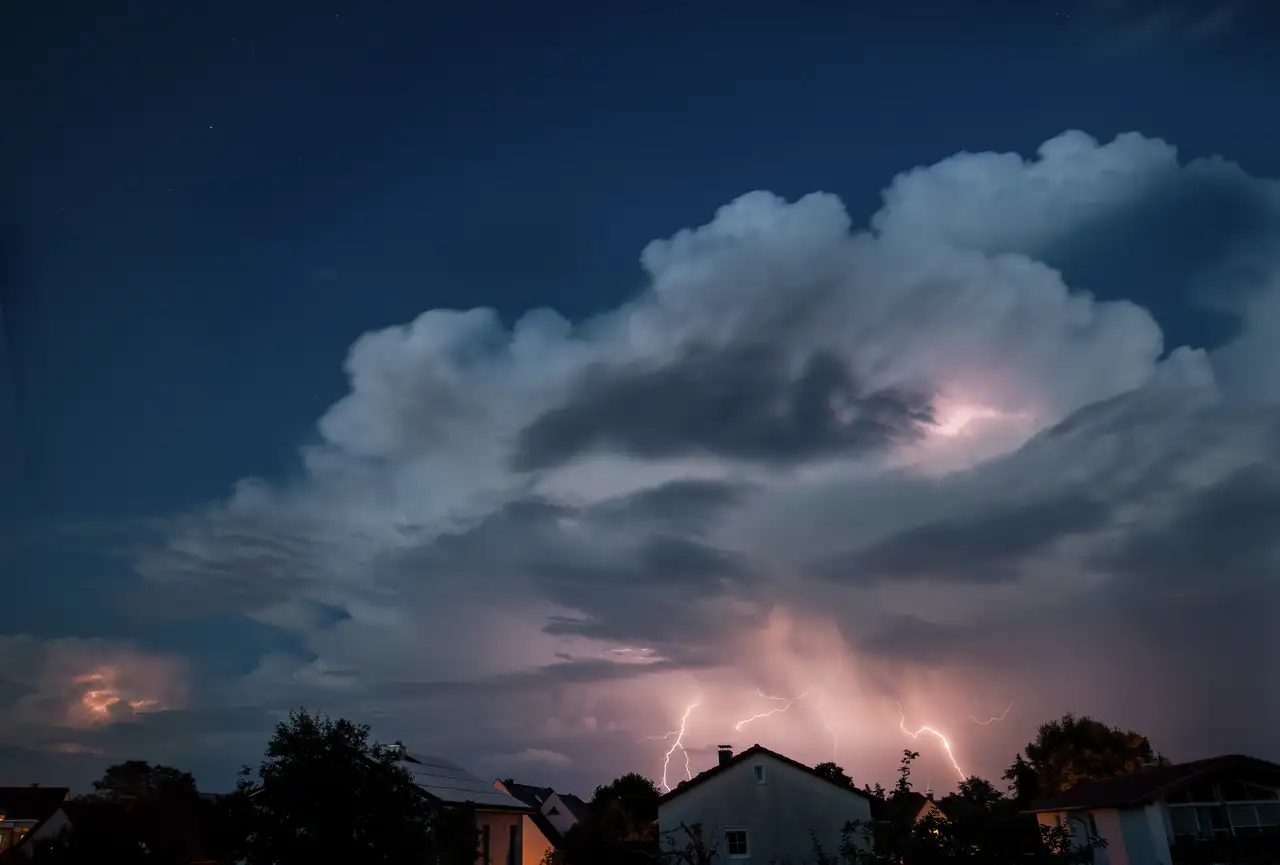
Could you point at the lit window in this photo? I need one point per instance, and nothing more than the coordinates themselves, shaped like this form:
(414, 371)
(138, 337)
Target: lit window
(759, 774)
(735, 843)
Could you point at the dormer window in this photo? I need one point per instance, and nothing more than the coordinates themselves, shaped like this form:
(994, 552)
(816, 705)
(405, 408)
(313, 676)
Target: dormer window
(759, 770)
(554, 812)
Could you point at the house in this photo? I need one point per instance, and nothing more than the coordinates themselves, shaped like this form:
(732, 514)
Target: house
(24, 808)
(115, 829)
(762, 807)
(499, 815)
(550, 817)
(1163, 814)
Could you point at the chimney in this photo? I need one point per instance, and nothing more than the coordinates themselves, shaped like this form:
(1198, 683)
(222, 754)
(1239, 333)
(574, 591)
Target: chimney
(726, 754)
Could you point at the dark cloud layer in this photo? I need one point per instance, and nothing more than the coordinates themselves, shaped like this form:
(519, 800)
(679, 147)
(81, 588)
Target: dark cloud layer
(744, 402)
(984, 547)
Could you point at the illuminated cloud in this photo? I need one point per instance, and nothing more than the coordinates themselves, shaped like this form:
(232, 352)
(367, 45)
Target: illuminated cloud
(908, 465)
(84, 684)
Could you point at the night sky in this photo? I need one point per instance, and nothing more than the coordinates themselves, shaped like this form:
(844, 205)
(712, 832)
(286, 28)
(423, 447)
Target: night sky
(513, 377)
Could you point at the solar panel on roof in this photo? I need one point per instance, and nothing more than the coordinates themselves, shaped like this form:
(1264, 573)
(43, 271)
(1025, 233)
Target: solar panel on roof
(449, 782)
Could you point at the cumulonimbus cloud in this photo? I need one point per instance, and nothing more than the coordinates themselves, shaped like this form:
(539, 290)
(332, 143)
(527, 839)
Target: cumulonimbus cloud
(902, 464)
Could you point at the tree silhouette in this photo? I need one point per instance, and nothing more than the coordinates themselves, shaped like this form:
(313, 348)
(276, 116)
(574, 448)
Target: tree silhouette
(620, 826)
(1071, 750)
(159, 809)
(325, 792)
(833, 772)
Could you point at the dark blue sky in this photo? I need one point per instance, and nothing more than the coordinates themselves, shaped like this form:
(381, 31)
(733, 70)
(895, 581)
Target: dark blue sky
(211, 201)
(206, 203)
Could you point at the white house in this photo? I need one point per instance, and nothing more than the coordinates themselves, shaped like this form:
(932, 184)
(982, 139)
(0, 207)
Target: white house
(499, 815)
(1147, 816)
(763, 808)
(551, 815)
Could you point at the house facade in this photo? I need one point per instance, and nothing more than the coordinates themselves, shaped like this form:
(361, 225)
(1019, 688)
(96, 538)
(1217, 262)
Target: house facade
(763, 808)
(499, 815)
(1166, 815)
(23, 809)
(551, 815)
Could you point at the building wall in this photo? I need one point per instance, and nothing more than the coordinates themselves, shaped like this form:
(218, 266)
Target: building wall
(1144, 835)
(563, 820)
(499, 824)
(1110, 827)
(1134, 836)
(534, 845)
(50, 828)
(779, 814)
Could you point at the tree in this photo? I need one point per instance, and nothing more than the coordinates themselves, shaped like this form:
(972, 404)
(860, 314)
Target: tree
(979, 826)
(833, 772)
(620, 825)
(160, 810)
(636, 797)
(1023, 782)
(325, 792)
(138, 780)
(1071, 750)
(904, 773)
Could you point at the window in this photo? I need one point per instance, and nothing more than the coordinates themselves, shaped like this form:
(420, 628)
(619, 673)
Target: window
(1092, 825)
(554, 812)
(1183, 820)
(485, 848)
(735, 843)
(759, 774)
(1268, 813)
(1213, 820)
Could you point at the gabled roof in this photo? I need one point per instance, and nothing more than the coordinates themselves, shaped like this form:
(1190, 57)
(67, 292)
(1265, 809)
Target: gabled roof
(756, 750)
(575, 805)
(528, 794)
(450, 784)
(1157, 782)
(31, 803)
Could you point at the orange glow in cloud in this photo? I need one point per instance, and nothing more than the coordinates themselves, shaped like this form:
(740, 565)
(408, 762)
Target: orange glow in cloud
(102, 699)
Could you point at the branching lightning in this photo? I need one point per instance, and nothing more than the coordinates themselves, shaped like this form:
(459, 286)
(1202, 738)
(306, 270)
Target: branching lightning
(902, 725)
(992, 720)
(664, 785)
(915, 734)
(787, 703)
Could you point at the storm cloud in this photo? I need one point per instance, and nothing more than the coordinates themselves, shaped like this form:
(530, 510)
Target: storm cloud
(907, 464)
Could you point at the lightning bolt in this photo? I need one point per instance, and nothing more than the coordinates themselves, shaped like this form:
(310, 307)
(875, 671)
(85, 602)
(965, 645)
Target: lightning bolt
(822, 713)
(999, 717)
(787, 703)
(902, 725)
(664, 786)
